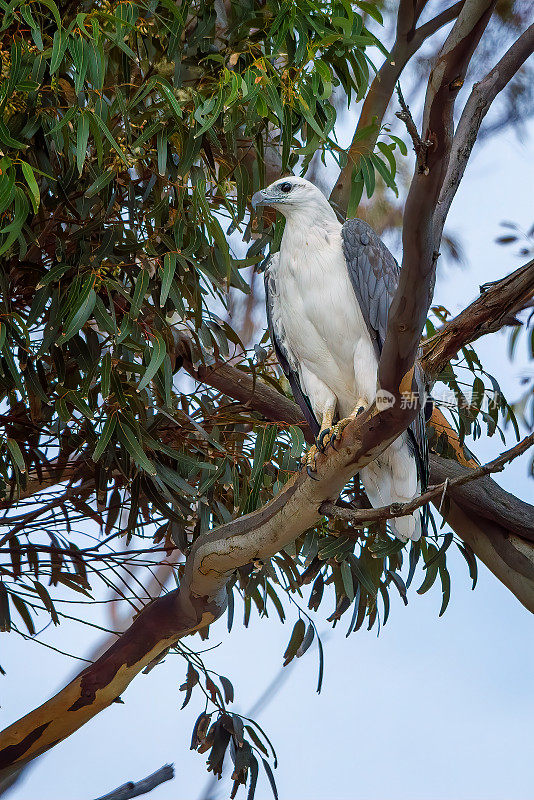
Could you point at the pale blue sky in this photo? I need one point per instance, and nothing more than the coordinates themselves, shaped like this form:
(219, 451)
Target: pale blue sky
(432, 709)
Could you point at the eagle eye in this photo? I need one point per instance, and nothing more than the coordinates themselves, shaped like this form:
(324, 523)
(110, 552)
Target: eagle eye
(285, 187)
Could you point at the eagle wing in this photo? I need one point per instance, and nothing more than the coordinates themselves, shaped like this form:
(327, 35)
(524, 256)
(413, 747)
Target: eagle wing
(374, 274)
(286, 358)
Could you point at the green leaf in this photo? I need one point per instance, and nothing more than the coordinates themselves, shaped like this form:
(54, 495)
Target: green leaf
(356, 191)
(159, 351)
(132, 445)
(161, 146)
(105, 376)
(107, 133)
(368, 174)
(53, 275)
(79, 53)
(295, 642)
(25, 10)
(8, 140)
(46, 600)
(384, 172)
(59, 45)
(16, 454)
(82, 137)
(54, 9)
(169, 268)
(348, 583)
(35, 197)
(99, 183)
(105, 436)
(306, 642)
(5, 617)
(445, 588)
(81, 316)
(470, 558)
(141, 285)
(362, 575)
(431, 571)
(22, 609)
(169, 95)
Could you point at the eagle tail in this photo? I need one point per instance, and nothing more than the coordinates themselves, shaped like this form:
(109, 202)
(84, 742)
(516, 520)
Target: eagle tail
(382, 490)
(408, 527)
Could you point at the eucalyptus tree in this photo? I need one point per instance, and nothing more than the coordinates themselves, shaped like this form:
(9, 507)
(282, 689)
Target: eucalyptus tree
(133, 136)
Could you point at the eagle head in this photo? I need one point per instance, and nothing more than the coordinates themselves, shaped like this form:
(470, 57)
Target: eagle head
(292, 194)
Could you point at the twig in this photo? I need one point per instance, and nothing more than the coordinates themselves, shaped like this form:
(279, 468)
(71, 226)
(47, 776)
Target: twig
(368, 515)
(445, 485)
(405, 115)
(131, 789)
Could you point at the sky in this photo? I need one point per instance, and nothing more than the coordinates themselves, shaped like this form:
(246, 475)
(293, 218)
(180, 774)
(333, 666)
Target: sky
(431, 709)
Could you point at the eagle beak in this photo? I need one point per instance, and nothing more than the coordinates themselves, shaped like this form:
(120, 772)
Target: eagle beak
(259, 199)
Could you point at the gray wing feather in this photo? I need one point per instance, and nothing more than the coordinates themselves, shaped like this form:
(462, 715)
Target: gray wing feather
(285, 357)
(374, 274)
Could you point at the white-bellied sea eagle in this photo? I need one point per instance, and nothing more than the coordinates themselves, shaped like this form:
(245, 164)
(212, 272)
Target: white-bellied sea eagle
(328, 292)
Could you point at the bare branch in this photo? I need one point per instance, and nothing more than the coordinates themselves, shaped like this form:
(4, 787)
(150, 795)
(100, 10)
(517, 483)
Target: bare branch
(433, 25)
(485, 498)
(510, 558)
(405, 115)
(476, 108)
(368, 515)
(497, 306)
(131, 789)
(50, 475)
(407, 41)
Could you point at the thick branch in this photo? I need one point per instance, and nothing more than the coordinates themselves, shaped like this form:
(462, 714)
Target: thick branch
(412, 300)
(510, 558)
(202, 597)
(485, 498)
(496, 307)
(407, 41)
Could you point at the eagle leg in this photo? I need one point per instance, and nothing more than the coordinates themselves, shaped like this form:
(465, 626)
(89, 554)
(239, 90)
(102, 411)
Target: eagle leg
(337, 430)
(320, 446)
(323, 437)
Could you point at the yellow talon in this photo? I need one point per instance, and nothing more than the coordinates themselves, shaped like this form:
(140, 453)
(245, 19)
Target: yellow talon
(310, 461)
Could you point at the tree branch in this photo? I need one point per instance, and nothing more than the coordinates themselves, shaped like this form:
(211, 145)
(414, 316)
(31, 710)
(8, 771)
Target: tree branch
(362, 517)
(510, 558)
(409, 308)
(476, 108)
(496, 307)
(48, 476)
(408, 40)
(131, 789)
(202, 595)
(405, 115)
